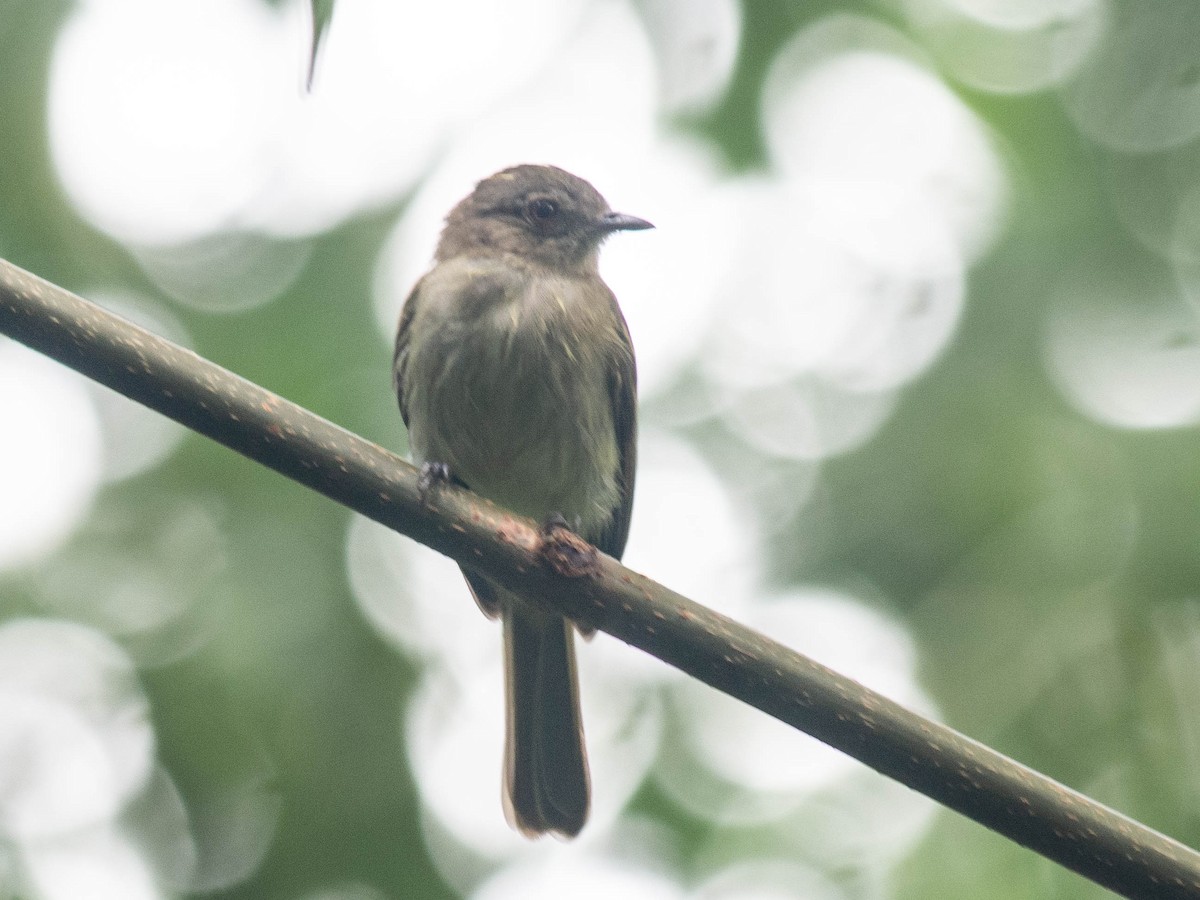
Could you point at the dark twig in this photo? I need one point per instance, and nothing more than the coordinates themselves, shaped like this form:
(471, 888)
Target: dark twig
(966, 776)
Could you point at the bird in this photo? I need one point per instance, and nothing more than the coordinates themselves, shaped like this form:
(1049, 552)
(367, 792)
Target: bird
(516, 379)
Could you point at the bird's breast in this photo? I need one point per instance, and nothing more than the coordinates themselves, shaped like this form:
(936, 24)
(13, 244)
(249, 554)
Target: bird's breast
(514, 396)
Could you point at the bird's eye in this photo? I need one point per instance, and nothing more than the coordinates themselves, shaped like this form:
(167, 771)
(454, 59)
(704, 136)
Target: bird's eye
(542, 209)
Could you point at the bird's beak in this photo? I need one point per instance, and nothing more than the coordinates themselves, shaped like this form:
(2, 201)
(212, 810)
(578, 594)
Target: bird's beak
(615, 221)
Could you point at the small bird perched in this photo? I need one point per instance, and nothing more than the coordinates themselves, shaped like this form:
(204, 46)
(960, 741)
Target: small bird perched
(516, 378)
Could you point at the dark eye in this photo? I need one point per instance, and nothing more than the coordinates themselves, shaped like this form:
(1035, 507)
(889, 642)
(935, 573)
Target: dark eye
(543, 209)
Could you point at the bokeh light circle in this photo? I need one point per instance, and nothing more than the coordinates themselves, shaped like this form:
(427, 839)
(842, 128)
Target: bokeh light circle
(50, 465)
(1127, 353)
(1138, 92)
(1010, 47)
(753, 768)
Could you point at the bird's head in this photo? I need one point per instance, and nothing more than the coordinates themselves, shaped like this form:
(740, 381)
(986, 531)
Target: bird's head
(541, 213)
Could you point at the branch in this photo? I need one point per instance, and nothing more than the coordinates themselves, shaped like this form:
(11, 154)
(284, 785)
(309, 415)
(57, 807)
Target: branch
(966, 776)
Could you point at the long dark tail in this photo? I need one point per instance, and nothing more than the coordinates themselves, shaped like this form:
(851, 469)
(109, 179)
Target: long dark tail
(546, 783)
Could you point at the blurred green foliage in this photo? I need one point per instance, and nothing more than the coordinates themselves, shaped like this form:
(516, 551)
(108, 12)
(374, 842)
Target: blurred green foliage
(1046, 563)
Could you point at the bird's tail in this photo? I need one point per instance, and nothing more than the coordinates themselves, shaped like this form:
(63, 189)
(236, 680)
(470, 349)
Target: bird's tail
(546, 783)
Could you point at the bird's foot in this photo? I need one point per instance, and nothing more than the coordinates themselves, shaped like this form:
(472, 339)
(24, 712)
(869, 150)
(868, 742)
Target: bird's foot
(556, 521)
(565, 551)
(433, 475)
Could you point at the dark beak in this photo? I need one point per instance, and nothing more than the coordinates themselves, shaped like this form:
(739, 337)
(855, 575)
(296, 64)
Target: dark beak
(615, 221)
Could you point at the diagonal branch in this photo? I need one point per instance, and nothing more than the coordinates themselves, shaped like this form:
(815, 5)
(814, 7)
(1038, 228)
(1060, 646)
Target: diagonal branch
(966, 776)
